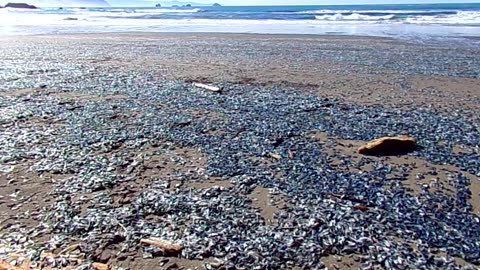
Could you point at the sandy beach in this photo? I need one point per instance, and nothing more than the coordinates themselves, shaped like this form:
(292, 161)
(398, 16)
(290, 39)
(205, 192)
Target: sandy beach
(105, 141)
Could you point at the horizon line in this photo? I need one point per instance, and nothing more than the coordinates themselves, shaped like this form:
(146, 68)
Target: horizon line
(333, 4)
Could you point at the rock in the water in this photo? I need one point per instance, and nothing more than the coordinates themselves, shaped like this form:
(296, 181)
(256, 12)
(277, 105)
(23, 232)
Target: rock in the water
(385, 146)
(216, 5)
(20, 5)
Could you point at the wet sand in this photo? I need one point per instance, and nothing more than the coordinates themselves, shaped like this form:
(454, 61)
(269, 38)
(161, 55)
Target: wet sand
(351, 70)
(372, 70)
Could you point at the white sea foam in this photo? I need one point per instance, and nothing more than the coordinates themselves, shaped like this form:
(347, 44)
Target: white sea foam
(330, 11)
(461, 18)
(135, 13)
(353, 17)
(458, 18)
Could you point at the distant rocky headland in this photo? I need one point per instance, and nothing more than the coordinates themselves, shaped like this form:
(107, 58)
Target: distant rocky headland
(33, 4)
(19, 5)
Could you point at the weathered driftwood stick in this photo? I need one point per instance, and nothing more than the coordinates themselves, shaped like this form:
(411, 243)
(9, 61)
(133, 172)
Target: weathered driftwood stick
(69, 249)
(7, 266)
(290, 154)
(275, 156)
(207, 86)
(164, 245)
(100, 266)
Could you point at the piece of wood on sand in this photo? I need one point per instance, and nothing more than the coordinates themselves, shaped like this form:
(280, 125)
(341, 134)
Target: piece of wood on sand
(6, 266)
(165, 246)
(207, 86)
(100, 266)
(275, 156)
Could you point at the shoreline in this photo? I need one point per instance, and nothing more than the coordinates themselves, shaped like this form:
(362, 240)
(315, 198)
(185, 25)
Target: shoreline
(457, 38)
(453, 41)
(207, 34)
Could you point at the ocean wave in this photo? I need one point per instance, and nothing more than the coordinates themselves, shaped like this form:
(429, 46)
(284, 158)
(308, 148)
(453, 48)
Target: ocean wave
(159, 13)
(461, 18)
(446, 18)
(380, 12)
(354, 17)
(133, 10)
(314, 17)
(167, 10)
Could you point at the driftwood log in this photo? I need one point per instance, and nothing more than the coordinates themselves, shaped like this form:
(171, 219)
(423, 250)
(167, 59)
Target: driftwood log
(100, 266)
(207, 86)
(275, 156)
(7, 266)
(165, 246)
